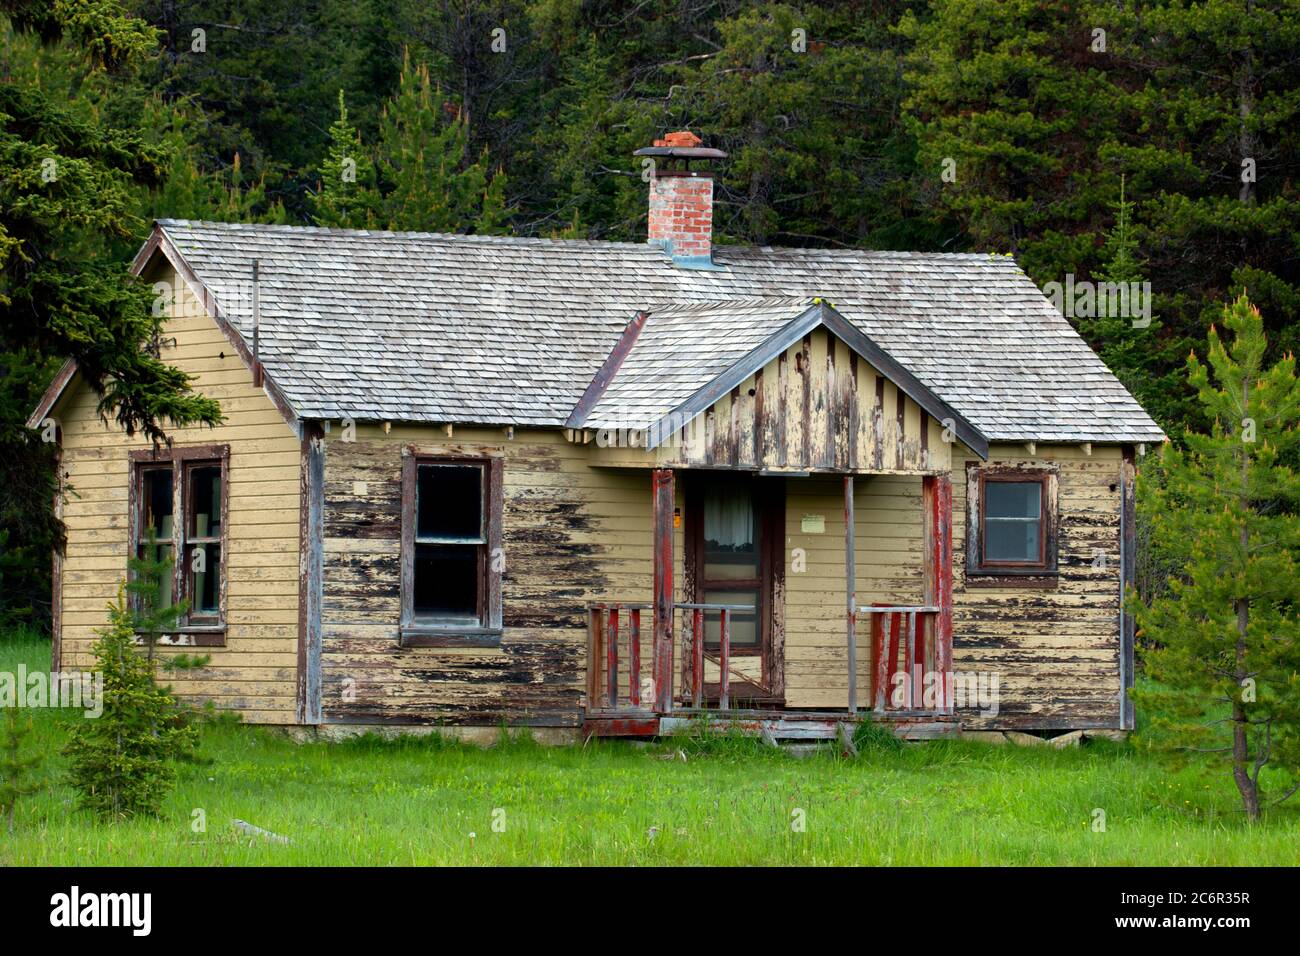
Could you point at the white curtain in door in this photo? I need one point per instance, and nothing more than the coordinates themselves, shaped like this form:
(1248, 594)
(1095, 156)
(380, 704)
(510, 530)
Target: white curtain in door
(729, 518)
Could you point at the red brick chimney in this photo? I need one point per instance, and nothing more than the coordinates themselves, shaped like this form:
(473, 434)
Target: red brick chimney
(681, 199)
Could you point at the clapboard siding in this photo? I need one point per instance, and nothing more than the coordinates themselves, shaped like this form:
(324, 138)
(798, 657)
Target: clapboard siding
(256, 672)
(571, 535)
(1054, 650)
(888, 558)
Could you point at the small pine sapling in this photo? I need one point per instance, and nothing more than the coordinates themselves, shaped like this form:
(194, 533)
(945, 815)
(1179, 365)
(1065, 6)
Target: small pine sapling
(122, 762)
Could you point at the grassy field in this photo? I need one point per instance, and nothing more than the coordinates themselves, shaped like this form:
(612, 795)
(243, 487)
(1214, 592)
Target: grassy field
(425, 801)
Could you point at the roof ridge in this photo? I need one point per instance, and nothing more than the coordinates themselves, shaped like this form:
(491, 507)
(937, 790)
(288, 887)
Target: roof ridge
(721, 247)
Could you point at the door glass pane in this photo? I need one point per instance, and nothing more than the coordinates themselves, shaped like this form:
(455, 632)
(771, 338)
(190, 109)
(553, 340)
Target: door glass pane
(744, 628)
(1012, 521)
(205, 502)
(731, 545)
(449, 503)
(446, 583)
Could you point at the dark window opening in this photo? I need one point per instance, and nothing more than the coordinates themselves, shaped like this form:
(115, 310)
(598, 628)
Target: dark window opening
(449, 503)
(451, 530)
(156, 524)
(447, 583)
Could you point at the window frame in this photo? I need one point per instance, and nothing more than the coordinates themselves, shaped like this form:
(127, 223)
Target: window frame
(979, 570)
(487, 633)
(192, 630)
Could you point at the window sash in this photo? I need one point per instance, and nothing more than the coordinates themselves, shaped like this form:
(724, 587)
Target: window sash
(1044, 561)
(451, 630)
(181, 463)
(481, 537)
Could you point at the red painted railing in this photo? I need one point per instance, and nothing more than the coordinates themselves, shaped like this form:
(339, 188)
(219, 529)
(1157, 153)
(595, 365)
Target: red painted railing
(905, 650)
(605, 678)
(697, 654)
(603, 623)
(907, 655)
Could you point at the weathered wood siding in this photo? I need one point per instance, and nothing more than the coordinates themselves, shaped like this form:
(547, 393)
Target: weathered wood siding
(255, 672)
(888, 558)
(817, 407)
(1055, 650)
(571, 535)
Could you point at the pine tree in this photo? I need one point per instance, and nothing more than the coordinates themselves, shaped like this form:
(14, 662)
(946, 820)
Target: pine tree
(14, 767)
(149, 578)
(429, 186)
(1223, 646)
(122, 762)
(1131, 346)
(1014, 116)
(346, 197)
(71, 186)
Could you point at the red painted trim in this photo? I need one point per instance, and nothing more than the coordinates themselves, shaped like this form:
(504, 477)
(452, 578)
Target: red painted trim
(611, 658)
(613, 362)
(52, 394)
(634, 655)
(663, 491)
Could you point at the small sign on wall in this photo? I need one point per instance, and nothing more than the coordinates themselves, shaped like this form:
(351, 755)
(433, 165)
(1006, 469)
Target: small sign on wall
(813, 524)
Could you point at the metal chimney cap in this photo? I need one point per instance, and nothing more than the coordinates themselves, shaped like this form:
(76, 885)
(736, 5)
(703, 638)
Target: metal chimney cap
(681, 152)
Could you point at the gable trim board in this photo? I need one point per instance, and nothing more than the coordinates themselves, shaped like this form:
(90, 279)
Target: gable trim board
(159, 244)
(607, 371)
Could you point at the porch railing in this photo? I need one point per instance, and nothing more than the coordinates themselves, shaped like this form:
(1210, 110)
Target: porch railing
(698, 653)
(603, 622)
(605, 677)
(904, 650)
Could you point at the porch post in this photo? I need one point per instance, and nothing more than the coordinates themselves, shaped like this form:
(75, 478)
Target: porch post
(663, 585)
(851, 592)
(936, 495)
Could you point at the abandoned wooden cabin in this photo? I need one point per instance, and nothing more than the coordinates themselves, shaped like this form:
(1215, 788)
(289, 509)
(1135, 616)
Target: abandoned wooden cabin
(608, 487)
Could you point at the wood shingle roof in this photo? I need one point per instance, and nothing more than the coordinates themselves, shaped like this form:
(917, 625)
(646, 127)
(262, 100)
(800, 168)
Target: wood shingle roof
(501, 330)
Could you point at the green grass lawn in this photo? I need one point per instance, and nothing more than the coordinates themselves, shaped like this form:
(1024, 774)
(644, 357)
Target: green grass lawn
(425, 801)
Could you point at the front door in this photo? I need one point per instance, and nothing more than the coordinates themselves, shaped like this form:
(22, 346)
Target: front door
(735, 534)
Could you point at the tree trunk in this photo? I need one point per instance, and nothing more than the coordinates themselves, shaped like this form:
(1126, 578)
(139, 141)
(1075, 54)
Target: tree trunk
(1246, 785)
(1240, 743)
(1247, 143)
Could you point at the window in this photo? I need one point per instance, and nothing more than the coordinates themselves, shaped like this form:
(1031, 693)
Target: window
(1011, 523)
(179, 503)
(452, 560)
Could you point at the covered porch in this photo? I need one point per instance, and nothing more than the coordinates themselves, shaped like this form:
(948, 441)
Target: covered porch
(670, 664)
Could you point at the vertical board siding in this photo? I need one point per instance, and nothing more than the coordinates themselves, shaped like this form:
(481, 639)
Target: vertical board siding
(1054, 650)
(256, 672)
(816, 407)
